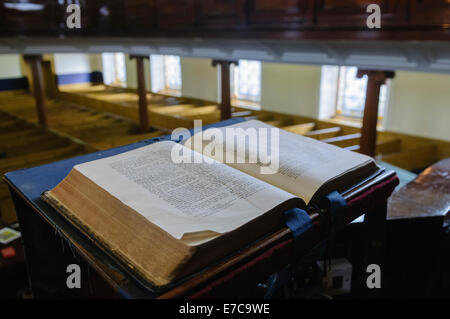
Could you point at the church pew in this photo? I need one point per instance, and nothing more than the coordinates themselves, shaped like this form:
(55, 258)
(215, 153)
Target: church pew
(64, 112)
(96, 133)
(343, 140)
(30, 150)
(172, 109)
(40, 158)
(413, 159)
(68, 117)
(119, 97)
(199, 110)
(80, 122)
(6, 124)
(324, 133)
(4, 191)
(8, 164)
(241, 114)
(205, 118)
(116, 141)
(105, 130)
(354, 148)
(7, 211)
(388, 145)
(276, 123)
(168, 122)
(208, 114)
(301, 129)
(38, 143)
(21, 134)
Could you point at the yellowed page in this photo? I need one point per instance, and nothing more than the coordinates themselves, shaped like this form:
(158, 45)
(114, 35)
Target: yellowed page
(183, 198)
(305, 164)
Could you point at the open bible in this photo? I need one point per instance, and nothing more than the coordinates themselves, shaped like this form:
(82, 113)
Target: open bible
(167, 218)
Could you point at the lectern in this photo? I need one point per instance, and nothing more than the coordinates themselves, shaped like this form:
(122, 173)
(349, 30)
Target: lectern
(52, 243)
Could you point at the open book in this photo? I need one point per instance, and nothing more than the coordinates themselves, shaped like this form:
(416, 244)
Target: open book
(166, 219)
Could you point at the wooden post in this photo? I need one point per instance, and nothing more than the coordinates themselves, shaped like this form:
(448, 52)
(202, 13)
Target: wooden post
(34, 62)
(225, 104)
(375, 79)
(142, 92)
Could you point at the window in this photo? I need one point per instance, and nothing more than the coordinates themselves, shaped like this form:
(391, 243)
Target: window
(246, 81)
(114, 69)
(166, 74)
(342, 93)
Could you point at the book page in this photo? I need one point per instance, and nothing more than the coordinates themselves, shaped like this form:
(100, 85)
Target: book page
(183, 198)
(304, 164)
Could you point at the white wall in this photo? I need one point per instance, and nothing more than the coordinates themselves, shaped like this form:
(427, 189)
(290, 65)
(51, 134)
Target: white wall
(10, 66)
(419, 104)
(292, 89)
(199, 79)
(70, 63)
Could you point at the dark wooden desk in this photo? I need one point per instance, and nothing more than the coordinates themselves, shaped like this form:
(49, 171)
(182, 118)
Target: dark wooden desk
(12, 270)
(51, 244)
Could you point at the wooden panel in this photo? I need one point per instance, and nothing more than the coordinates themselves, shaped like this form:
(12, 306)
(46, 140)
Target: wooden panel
(140, 13)
(273, 19)
(389, 146)
(301, 129)
(345, 13)
(242, 114)
(325, 133)
(385, 147)
(175, 13)
(98, 18)
(283, 13)
(221, 13)
(343, 140)
(430, 12)
(110, 16)
(28, 16)
(417, 158)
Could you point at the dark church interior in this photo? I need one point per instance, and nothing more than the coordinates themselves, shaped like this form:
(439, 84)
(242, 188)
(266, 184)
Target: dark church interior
(85, 82)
